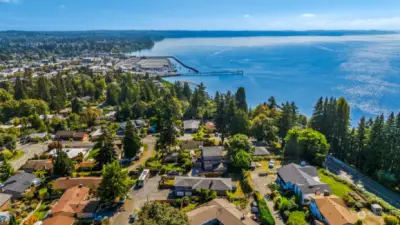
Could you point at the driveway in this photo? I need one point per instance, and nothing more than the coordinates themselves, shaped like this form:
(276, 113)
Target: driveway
(29, 152)
(342, 169)
(261, 185)
(151, 143)
(138, 197)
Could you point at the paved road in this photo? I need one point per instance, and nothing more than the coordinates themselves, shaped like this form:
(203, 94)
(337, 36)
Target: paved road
(151, 142)
(139, 197)
(340, 168)
(29, 152)
(260, 184)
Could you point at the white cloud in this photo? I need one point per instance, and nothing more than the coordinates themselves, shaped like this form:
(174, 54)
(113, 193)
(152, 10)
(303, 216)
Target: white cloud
(8, 1)
(308, 15)
(246, 16)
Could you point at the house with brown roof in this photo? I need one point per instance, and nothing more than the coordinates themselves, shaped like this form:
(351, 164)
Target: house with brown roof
(331, 210)
(218, 211)
(59, 220)
(74, 135)
(66, 182)
(75, 203)
(34, 165)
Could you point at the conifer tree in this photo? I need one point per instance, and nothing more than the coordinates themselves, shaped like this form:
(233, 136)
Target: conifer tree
(131, 141)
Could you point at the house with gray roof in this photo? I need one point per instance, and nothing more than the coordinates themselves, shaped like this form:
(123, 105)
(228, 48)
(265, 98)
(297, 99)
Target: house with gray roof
(211, 158)
(261, 151)
(303, 180)
(191, 126)
(187, 186)
(19, 183)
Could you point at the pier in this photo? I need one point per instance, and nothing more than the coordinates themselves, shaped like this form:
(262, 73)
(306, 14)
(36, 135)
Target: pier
(192, 71)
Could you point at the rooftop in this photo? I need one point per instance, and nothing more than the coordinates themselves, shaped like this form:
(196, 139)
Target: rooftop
(74, 200)
(217, 184)
(220, 209)
(334, 210)
(65, 182)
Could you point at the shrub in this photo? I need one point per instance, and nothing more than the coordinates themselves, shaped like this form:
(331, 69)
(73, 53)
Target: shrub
(297, 218)
(350, 202)
(286, 204)
(7, 154)
(286, 214)
(273, 187)
(265, 215)
(391, 220)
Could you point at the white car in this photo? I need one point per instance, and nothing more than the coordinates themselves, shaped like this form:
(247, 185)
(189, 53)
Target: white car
(271, 163)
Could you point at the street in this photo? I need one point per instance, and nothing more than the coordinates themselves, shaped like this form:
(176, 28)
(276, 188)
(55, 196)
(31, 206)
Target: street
(261, 185)
(342, 169)
(138, 197)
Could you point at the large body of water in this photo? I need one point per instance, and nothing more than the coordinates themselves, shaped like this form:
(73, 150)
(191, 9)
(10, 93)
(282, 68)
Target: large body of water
(364, 69)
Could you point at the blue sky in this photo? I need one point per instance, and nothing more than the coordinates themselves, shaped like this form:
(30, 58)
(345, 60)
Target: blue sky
(199, 14)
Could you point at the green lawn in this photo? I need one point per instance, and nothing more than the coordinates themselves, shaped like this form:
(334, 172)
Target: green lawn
(40, 213)
(337, 187)
(92, 154)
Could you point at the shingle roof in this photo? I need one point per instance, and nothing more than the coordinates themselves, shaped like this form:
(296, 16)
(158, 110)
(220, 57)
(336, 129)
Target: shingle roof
(219, 209)
(38, 164)
(191, 124)
(217, 184)
(305, 177)
(4, 198)
(261, 151)
(59, 220)
(212, 151)
(74, 201)
(19, 182)
(334, 210)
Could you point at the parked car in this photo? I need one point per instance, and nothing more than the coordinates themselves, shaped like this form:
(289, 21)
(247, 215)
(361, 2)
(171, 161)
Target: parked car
(132, 218)
(271, 163)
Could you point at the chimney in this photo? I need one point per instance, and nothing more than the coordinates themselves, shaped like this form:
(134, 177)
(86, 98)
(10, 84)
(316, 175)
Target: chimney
(326, 193)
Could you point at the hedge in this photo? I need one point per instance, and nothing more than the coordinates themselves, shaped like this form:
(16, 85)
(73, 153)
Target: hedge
(265, 215)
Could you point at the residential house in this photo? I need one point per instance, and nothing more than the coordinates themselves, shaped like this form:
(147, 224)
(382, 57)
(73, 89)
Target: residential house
(218, 211)
(5, 201)
(212, 159)
(261, 151)
(187, 186)
(136, 123)
(37, 137)
(85, 166)
(65, 135)
(19, 183)
(95, 135)
(71, 152)
(59, 220)
(81, 136)
(74, 203)
(303, 180)
(34, 165)
(171, 158)
(66, 182)
(210, 126)
(191, 126)
(331, 210)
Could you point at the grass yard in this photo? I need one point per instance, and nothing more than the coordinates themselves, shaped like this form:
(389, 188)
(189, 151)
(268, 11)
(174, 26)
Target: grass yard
(41, 212)
(337, 187)
(92, 154)
(189, 207)
(239, 192)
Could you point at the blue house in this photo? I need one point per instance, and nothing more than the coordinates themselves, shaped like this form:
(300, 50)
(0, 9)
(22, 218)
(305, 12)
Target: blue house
(302, 180)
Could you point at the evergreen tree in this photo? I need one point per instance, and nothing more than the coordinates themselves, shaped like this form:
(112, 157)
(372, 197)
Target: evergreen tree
(221, 120)
(241, 123)
(19, 90)
(341, 126)
(187, 92)
(107, 152)
(361, 141)
(318, 115)
(13, 220)
(131, 141)
(63, 165)
(6, 170)
(375, 149)
(76, 106)
(241, 99)
(272, 102)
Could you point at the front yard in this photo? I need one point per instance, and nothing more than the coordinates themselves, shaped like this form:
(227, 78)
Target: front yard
(337, 187)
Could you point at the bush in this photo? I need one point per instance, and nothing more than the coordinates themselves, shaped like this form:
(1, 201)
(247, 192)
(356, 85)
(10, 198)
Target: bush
(297, 218)
(265, 215)
(391, 220)
(7, 154)
(350, 202)
(286, 204)
(286, 215)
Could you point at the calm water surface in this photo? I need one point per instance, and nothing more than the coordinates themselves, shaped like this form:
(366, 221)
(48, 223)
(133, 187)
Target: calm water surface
(364, 69)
